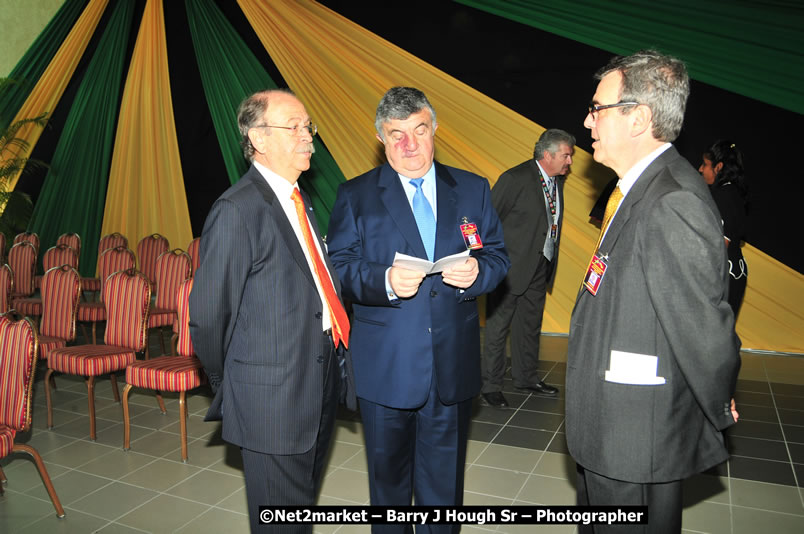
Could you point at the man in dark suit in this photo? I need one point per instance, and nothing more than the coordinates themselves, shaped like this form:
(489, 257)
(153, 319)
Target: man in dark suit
(653, 356)
(416, 338)
(529, 199)
(265, 317)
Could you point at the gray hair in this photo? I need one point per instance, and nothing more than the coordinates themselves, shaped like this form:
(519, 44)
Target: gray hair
(550, 141)
(250, 114)
(400, 103)
(658, 81)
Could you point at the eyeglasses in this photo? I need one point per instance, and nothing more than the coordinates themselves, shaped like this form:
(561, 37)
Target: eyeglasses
(595, 108)
(297, 130)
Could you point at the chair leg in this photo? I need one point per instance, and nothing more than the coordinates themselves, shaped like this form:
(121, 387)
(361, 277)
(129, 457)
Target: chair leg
(94, 332)
(116, 391)
(48, 377)
(91, 396)
(174, 341)
(40, 465)
(183, 424)
(162, 339)
(3, 478)
(84, 331)
(161, 402)
(126, 420)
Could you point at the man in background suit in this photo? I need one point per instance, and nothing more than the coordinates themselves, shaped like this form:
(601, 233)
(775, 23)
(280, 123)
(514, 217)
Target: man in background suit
(529, 199)
(265, 320)
(416, 338)
(653, 357)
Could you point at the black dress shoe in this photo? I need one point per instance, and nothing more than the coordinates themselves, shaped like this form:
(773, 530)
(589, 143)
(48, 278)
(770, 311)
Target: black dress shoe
(495, 399)
(542, 389)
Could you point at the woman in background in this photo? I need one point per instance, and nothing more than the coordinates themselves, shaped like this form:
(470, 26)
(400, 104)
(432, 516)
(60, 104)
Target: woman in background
(722, 169)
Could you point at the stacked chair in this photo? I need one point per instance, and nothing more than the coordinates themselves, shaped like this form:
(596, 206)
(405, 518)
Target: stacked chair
(149, 249)
(112, 260)
(54, 257)
(171, 269)
(18, 352)
(6, 287)
(22, 260)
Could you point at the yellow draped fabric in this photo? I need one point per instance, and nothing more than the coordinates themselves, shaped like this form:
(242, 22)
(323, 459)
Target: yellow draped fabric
(48, 90)
(340, 71)
(146, 187)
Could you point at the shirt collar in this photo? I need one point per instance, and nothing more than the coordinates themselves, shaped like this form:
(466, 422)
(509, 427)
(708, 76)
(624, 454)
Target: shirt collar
(636, 171)
(282, 188)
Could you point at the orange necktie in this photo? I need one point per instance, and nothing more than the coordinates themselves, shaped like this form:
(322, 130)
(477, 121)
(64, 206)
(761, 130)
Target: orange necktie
(340, 322)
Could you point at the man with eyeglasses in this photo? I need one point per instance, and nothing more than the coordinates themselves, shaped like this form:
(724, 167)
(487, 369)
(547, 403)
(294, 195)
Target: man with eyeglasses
(265, 316)
(653, 357)
(529, 199)
(416, 346)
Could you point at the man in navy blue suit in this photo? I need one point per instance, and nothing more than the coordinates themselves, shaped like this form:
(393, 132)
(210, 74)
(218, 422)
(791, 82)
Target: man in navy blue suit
(415, 337)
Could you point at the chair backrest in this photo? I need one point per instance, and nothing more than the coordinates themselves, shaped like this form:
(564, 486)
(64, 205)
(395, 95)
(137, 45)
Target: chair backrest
(193, 249)
(184, 346)
(149, 249)
(172, 268)
(19, 347)
(6, 287)
(61, 291)
(112, 241)
(72, 239)
(2, 248)
(113, 260)
(128, 301)
(22, 260)
(60, 255)
(31, 237)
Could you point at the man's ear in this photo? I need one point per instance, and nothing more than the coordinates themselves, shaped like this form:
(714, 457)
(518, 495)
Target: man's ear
(255, 136)
(379, 138)
(641, 120)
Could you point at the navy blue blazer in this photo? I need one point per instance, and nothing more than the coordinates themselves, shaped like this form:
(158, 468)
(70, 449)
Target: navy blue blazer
(394, 345)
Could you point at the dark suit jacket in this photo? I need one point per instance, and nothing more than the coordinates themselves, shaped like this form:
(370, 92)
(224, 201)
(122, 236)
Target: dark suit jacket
(394, 345)
(256, 322)
(518, 197)
(664, 295)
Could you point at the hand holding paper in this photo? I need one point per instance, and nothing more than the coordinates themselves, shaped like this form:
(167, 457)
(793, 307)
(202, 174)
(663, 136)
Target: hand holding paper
(461, 275)
(427, 267)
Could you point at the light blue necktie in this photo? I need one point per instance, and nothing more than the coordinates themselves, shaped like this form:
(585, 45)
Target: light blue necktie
(424, 218)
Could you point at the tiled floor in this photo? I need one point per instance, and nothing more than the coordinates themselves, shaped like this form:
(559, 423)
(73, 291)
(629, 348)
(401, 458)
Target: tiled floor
(515, 456)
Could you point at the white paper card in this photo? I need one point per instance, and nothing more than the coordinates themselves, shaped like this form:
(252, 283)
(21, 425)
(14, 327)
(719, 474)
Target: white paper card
(427, 267)
(633, 368)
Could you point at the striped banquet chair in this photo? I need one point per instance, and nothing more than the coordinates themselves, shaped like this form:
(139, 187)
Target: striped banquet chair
(22, 260)
(172, 268)
(149, 249)
(111, 261)
(61, 292)
(193, 249)
(6, 287)
(106, 242)
(168, 373)
(30, 237)
(54, 257)
(18, 351)
(128, 296)
(72, 239)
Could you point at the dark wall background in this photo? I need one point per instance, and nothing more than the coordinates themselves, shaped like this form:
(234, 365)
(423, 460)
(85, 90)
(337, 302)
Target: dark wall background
(549, 79)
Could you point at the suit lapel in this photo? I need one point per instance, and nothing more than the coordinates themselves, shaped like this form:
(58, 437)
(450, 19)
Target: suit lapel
(286, 232)
(396, 203)
(448, 216)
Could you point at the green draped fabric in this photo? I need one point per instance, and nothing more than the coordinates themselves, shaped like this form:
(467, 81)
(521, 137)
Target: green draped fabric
(755, 49)
(28, 69)
(72, 196)
(229, 73)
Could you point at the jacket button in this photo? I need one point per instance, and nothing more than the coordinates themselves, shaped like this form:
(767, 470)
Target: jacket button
(320, 359)
(433, 293)
(318, 315)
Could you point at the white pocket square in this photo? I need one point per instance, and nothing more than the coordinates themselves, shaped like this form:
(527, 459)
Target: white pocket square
(633, 368)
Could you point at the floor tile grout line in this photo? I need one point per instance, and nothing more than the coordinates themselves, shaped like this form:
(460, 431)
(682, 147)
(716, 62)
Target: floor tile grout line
(784, 437)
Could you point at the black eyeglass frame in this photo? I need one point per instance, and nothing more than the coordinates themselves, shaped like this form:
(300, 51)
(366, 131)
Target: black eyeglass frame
(595, 108)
